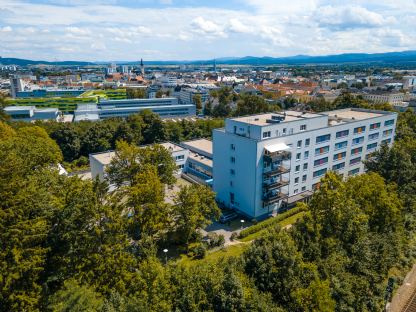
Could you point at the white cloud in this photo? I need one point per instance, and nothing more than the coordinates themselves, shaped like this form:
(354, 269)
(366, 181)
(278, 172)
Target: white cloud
(235, 25)
(6, 29)
(258, 27)
(207, 27)
(348, 17)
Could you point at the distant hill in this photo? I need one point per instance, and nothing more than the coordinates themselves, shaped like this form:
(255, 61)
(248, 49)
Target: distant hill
(23, 62)
(388, 57)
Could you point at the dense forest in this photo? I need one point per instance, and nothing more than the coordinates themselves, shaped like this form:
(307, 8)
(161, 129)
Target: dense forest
(73, 245)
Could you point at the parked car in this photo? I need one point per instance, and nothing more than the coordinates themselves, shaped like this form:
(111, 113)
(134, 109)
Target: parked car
(228, 216)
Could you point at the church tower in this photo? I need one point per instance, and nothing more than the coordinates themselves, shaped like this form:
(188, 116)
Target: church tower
(142, 67)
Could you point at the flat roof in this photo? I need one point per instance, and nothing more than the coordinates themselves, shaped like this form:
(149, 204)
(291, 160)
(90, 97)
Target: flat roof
(261, 119)
(354, 114)
(18, 108)
(201, 159)
(172, 147)
(104, 158)
(200, 144)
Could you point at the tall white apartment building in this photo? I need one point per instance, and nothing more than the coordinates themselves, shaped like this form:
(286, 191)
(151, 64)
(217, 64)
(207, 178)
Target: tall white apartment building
(262, 162)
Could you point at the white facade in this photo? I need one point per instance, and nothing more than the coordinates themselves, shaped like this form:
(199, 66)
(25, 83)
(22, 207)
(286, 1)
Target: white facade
(16, 85)
(384, 97)
(31, 113)
(164, 107)
(260, 161)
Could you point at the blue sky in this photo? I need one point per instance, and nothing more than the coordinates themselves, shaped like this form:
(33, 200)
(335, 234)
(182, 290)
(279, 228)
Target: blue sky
(94, 30)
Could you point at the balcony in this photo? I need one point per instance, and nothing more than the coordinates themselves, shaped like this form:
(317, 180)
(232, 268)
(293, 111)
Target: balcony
(275, 170)
(280, 155)
(273, 197)
(275, 184)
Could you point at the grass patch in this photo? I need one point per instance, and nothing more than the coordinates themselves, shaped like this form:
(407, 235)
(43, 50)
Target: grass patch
(215, 256)
(285, 222)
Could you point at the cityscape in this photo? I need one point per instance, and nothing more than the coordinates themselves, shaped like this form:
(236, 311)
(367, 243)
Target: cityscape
(208, 157)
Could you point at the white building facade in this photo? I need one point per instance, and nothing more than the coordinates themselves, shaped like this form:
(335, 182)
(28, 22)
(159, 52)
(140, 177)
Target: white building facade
(260, 162)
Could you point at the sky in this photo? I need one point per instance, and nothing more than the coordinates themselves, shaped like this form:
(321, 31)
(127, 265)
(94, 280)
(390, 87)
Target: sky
(123, 30)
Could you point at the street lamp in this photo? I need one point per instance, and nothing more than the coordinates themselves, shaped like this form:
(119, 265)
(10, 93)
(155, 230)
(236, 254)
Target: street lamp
(242, 224)
(166, 255)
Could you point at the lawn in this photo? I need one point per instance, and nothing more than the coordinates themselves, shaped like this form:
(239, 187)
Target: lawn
(215, 256)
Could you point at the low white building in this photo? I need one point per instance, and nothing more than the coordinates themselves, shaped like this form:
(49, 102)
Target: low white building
(164, 107)
(265, 162)
(31, 113)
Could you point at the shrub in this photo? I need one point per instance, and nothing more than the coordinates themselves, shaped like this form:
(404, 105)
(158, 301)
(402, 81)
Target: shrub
(271, 221)
(216, 240)
(197, 251)
(234, 235)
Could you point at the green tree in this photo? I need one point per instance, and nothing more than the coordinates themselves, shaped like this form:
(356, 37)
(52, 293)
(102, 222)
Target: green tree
(74, 297)
(315, 298)
(195, 209)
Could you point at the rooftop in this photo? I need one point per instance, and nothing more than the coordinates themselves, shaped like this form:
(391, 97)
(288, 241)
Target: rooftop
(201, 159)
(287, 116)
(104, 158)
(200, 144)
(172, 147)
(351, 114)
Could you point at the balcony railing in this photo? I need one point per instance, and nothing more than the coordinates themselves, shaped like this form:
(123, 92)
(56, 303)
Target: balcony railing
(275, 184)
(281, 155)
(270, 198)
(276, 170)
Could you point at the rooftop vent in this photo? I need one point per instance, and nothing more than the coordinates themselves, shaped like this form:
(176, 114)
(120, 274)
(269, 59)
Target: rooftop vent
(276, 119)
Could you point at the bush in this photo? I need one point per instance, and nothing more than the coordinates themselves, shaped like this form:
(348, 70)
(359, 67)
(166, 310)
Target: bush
(197, 251)
(234, 235)
(216, 240)
(271, 221)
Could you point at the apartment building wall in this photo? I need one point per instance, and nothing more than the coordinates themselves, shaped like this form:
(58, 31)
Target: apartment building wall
(243, 175)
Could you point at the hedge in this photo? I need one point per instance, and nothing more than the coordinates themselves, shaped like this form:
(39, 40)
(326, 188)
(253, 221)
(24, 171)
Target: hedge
(271, 221)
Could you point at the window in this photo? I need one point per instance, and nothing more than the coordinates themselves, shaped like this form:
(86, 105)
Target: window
(373, 136)
(359, 130)
(338, 166)
(355, 161)
(307, 142)
(304, 177)
(298, 155)
(232, 198)
(305, 166)
(389, 123)
(341, 145)
(302, 127)
(231, 183)
(306, 155)
(386, 141)
(232, 171)
(180, 157)
(295, 191)
(181, 166)
(232, 147)
(232, 159)
(319, 173)
(387, 132)
(340, 156)
(296, 180)
(357, 140)
(371, 146)
(320, 162)
(284, 130)
(267, 134)
(341, 134)
(297, 168)
(303, 188)
(356, 151)
(321, 150)
(375, 126)
(323, 138)
(299, 145)
(354, 171)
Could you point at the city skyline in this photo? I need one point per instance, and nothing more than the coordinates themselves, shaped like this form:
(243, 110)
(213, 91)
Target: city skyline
(180, 30)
